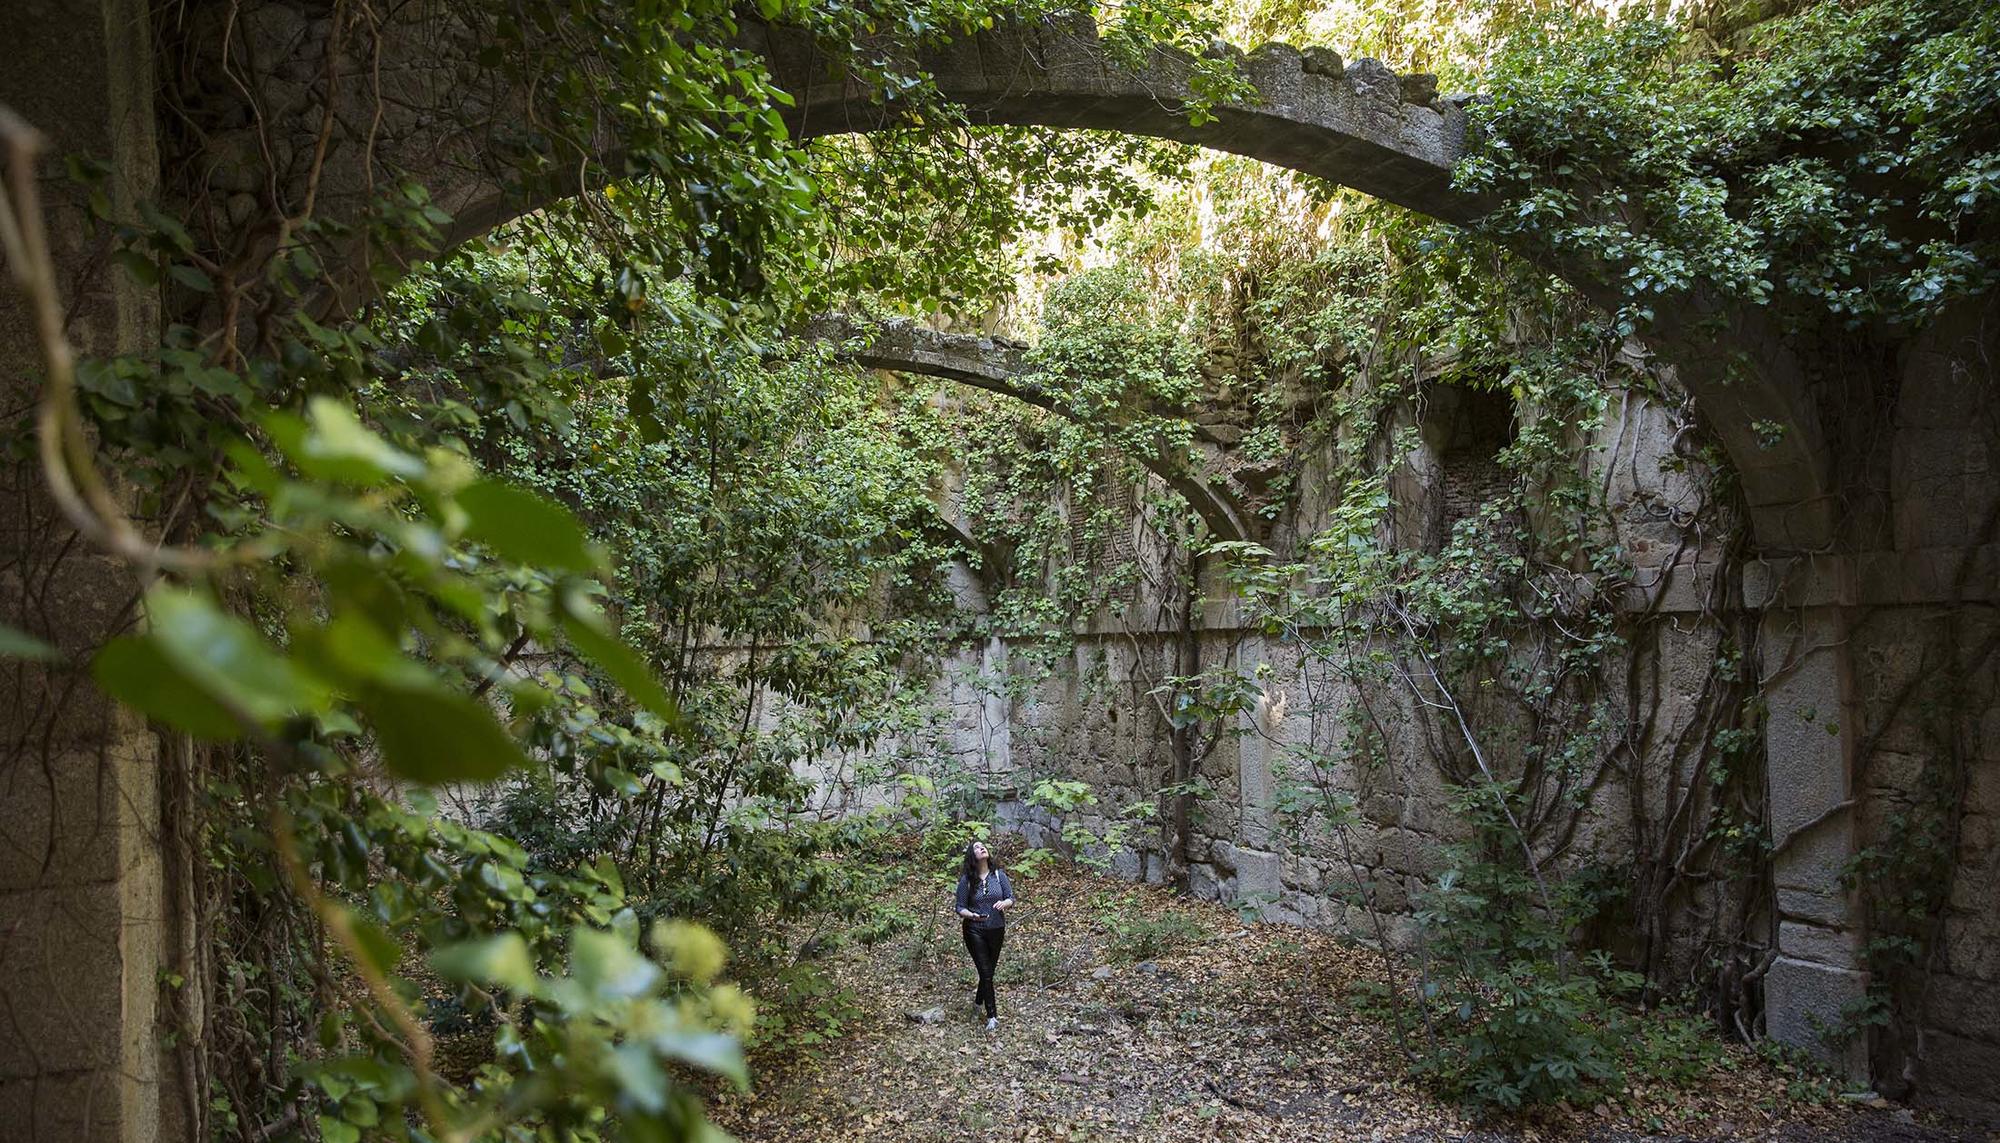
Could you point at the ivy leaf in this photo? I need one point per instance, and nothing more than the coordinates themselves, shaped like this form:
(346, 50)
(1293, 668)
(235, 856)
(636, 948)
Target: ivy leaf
(501, 960)
(136, 672)
(526, 528)
(712, 1051)
(359, 588)
(377, 946)
(354, 650)
(198, 664)
(332, 444)
(143, 270)
(191, 277)
(429, 734)
(644, 411)
(609, 967)
(639, 1077)
(18, 644)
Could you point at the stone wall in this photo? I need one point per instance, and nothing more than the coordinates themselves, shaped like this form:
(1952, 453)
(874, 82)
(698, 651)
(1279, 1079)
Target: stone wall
(1884, 710)
(1931, 716)
(1094, 719)
(82, 906)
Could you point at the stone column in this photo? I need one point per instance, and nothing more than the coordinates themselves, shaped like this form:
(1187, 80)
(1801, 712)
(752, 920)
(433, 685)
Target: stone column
(1811, 734)
(1256, 786)
(996, 720)
(80, 857)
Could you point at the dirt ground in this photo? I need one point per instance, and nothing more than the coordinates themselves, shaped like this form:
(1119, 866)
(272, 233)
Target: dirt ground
(1217, 1031)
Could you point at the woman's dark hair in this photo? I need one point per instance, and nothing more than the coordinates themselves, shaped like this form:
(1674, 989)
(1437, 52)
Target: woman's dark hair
(970, 869)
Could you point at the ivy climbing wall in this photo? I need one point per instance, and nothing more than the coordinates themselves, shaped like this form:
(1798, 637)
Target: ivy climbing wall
(1649, 785)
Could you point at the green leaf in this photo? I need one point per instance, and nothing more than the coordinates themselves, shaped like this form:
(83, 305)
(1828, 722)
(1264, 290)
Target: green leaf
(360, 1111)
(430, 734)
(333, 1130)
(18, 644)
(586, 632)
(639, 1078)
(144, 270)
(228, 660)
(706, 1132)
(198, 665)
(191, 277)
(607, 872)
(353, 649)
(333, 444)
(712, 1051)
(377, 946)
(338, 722)
(135, 671)
(610, 967)
(336, 1087)
(422, 802)
(501, 960)
(644, 412)
(359, 587)
(525, 528)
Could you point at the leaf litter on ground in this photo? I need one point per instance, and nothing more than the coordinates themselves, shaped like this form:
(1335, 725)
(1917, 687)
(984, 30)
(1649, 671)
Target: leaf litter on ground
(1225, 1030)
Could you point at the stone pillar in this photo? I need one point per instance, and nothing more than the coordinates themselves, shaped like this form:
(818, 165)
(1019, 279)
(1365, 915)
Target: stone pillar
(1256, 786)
(1811, 734)
(996, 720)
(80, 855)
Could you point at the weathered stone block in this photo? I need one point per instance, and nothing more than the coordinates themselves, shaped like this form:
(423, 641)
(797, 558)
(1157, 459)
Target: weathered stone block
(1393, 894)
(80, 817)
(1384, 809)
(1816, 858)
(1301, 873)
(1962, 1076)
(1979, 835)
(1803, 1000)
(1807, 775)
(1401, 932)
(1323, 61)
(1276, 71)
(65, 1108)
(1406, 852)
(1811, 905)
(65, 979)
(1127, 863)
(1293, 909)
(1895, 771)
(1202, 882)
(1971, 950)
(1967, 1006)
(1256, 872)
(1829, 946)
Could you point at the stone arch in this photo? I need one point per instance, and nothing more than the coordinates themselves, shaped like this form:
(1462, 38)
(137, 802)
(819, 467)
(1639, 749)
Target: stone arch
(997, 365)
(1355, 124)
(1361, 126)
(1358, 125)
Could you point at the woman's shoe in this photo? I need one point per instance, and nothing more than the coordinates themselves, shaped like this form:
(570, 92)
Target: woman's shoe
(992, 1023)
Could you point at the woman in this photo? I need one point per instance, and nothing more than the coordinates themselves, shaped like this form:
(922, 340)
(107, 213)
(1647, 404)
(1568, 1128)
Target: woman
(984, 896)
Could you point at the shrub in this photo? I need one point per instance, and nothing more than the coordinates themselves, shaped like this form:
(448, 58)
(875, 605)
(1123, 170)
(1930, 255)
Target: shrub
(1148, 938)
(1516, 1019)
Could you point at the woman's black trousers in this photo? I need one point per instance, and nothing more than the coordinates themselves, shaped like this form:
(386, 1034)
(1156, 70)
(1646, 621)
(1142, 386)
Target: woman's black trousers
(984, 945)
